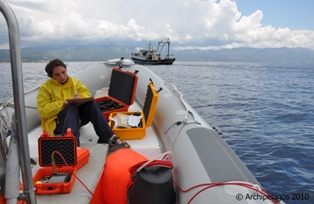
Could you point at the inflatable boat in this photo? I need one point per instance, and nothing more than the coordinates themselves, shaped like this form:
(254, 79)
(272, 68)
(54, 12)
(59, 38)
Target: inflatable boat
(175, 156)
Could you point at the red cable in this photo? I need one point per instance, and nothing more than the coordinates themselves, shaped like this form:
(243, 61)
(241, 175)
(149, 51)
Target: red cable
(77, 177)
(164, 163)
(209, 185)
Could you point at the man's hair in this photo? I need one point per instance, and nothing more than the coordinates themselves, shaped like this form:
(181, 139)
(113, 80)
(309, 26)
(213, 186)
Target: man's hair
(52, 64)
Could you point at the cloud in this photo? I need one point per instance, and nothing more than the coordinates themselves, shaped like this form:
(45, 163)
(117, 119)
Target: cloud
(190, 24)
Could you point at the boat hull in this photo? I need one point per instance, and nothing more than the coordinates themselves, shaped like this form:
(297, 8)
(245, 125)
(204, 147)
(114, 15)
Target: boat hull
(199, 154)
(153, 62)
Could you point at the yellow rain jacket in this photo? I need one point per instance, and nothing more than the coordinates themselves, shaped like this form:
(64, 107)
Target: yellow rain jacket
(51, 96)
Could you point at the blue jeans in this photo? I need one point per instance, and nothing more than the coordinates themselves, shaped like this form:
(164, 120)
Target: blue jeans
(88, 112)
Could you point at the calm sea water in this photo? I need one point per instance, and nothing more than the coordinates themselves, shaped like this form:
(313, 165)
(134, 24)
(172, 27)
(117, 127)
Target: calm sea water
(266, 112)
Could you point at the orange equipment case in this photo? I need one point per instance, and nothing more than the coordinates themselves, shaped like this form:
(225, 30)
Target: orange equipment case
(147, 114)
(75, 157)
(43, 186)
(82, 157)
(65, 145)
(122, 91)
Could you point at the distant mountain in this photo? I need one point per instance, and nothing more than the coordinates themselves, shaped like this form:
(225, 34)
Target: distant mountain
(73, 53)
(266, 55)
(105, 52)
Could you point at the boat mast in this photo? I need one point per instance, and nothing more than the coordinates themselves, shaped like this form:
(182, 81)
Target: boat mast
(163, 44)
(19, 103)
(168, 53)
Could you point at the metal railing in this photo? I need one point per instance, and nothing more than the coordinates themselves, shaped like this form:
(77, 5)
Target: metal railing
(19, 103)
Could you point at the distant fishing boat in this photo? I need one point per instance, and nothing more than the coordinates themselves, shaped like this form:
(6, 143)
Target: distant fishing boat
(150, 56)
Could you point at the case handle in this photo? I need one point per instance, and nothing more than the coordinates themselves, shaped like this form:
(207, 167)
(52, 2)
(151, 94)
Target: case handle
(53, 191)
(159, 90)
(69, 133)
(45, 134)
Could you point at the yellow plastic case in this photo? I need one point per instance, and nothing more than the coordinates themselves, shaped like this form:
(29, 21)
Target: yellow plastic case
(147, 114)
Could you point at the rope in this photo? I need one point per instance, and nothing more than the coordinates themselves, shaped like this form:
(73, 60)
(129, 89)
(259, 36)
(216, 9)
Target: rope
(187, 111)
(4, 124)
(7, 104)
(31, 107)
(4, 129)
(138, 167)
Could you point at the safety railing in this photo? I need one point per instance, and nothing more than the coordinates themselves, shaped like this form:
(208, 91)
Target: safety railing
(19, 103)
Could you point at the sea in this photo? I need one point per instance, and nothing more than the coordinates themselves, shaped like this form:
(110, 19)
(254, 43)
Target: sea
(265, 111)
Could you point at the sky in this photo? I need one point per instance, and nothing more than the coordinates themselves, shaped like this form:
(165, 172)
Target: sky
(190, 24)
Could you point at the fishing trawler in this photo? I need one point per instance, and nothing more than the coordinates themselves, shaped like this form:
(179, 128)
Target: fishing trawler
(150, 56)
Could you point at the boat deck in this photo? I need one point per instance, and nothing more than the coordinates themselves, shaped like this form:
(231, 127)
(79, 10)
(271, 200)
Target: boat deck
(149, 147)
(79, 194)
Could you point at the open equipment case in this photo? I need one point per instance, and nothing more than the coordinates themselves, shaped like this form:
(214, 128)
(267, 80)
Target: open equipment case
(147, 114)
(121, 93)
(68, 158)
